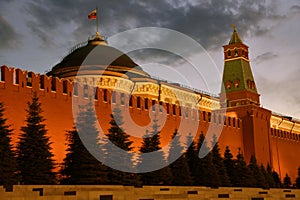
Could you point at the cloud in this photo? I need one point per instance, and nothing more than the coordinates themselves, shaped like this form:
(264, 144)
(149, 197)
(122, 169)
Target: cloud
(206, 21)
(264, 57)
(8, 35)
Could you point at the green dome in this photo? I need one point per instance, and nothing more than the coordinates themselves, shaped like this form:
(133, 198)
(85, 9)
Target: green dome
(93, 57)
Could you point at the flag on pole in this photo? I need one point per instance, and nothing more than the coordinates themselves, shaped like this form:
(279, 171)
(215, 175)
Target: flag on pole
(93, 14)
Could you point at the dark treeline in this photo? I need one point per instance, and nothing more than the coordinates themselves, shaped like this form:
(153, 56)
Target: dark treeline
(31, 162)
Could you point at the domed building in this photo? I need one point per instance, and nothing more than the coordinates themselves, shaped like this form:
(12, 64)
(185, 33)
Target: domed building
(95, 57)
(116, 80)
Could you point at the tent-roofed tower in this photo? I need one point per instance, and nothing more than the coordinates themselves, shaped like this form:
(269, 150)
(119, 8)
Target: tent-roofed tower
(238, 83)
(239, 96)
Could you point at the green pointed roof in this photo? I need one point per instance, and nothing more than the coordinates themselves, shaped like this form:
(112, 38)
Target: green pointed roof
(235, 38)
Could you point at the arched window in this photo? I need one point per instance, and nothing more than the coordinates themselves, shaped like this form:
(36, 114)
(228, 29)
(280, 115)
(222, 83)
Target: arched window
(229, 53)
(236, 52)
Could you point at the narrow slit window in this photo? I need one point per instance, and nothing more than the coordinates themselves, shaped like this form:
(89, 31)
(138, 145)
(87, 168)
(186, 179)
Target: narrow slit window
(160, 106)
(75, 89)
(85, 91)
(174, 109)
(146, 104)
(122, 98)
(130, 101)
(114, 97)
(105, 95)
(153, 105)
(138, 102)
(168, 108)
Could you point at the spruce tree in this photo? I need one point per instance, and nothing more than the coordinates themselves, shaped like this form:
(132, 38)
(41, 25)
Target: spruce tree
(191, 155)
(267, 172)
(34, 154)
(206, 173)
(277, 180)
(151, 143)
(219, 164)
(229, 164)
(180, 169)
(118, 137)
(8, 165)
(80, 167)
(257, 173)
(244, 176)
(298, 179)
(287, 181)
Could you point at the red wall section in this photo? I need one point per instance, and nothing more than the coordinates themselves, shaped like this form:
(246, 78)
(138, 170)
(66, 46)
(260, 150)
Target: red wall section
(56, 97)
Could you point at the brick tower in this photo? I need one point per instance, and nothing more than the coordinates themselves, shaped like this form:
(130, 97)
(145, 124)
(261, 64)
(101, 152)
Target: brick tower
(239, 96)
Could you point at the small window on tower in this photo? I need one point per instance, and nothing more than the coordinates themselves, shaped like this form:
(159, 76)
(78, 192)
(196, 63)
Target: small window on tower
(229, 53)
(236, 83)
(228, 85)
(236, 52)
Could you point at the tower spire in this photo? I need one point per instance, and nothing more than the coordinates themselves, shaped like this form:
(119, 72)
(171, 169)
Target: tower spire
(235, 38)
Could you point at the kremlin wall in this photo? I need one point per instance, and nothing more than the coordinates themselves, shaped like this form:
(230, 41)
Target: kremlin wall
(236, 113)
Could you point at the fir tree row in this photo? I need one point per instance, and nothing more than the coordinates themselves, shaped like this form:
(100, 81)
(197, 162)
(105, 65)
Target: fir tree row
(32, 161)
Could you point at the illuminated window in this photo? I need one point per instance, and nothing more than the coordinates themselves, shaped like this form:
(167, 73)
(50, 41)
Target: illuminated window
(228, 85)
